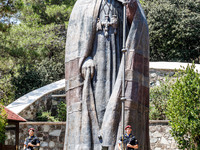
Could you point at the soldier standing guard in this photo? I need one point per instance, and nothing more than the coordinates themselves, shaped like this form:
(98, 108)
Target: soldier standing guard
(128, 141)
(31, 142)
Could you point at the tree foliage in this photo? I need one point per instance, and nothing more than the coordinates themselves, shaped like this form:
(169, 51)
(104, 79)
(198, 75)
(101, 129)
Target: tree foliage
(6, 88)
(33, 76)
(3, 123)
(8, 9)
(174, 29)
(34, 47)
(41, 32)
(183, 109)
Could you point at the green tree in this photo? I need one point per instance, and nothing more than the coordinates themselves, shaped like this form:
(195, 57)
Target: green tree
(174, 29)
(41, 32)
(34, 47)
(6, 88)
(183, 109)
(8, 10)
(36, 75)
(3, 123)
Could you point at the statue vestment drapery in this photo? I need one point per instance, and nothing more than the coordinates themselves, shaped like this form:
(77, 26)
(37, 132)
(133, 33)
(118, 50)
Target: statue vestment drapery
(94, 74)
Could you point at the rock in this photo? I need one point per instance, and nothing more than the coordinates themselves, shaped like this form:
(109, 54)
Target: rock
(157, 83)
(164, 141)
(51, 144)
(44, 144)
(153, 75)
(153, 140)
(55, 133)
(157, 134)
(54, 102)
(46, 128)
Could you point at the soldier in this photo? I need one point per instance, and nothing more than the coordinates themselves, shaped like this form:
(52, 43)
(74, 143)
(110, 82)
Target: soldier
(32, 141)
(128, 140)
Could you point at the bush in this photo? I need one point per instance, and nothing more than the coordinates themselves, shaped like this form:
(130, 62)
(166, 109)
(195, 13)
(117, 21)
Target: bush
(45, 116)
(183, 109)
(159, 96)
(62, 112)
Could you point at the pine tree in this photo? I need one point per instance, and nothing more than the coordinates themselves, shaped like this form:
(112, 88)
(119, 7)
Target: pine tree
(8, 9)
(35, 46)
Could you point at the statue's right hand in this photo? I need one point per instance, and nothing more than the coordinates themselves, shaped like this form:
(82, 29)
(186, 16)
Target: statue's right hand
(88, 64)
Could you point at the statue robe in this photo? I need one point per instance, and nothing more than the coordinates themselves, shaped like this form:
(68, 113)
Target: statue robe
(93, 103)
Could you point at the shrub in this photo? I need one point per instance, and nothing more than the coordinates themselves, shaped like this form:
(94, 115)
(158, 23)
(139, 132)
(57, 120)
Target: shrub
(159, 96)
(183, 109)
(45, 116)
(62, 112)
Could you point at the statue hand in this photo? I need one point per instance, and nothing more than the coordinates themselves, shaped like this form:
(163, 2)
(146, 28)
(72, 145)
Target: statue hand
(88, 65)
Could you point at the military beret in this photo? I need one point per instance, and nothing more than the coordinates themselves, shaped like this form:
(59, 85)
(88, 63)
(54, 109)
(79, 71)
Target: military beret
(128, 126)
(31, 129)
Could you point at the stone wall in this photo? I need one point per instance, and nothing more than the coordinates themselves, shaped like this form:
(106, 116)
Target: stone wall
(45, 103)
(51, 135)
(157, 76)
(160, 137)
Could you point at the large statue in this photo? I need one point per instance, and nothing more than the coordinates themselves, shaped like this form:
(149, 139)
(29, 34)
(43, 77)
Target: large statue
(93, 73)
